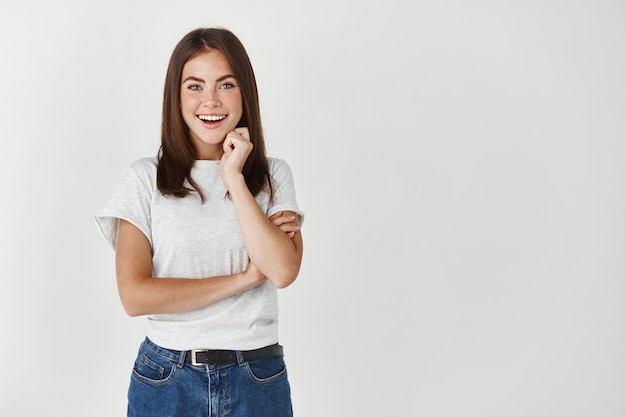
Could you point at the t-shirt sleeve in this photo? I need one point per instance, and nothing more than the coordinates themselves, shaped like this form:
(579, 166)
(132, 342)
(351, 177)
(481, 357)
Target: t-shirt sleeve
(130, 202)
(284, 189)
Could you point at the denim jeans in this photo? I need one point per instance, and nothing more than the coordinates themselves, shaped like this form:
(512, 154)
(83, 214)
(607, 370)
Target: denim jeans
(163, 385)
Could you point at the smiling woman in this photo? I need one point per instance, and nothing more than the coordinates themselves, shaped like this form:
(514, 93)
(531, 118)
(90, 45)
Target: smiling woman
(214, 68)
(204, 235)
(210, 101)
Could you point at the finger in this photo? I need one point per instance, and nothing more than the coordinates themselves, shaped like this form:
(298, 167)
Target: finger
(276, 215)
(228, 145)
(243, 132)
(284, 220)
(235, 140)
(288, 228)
(290, 231)
(291, 217)
(287, 217)
(231, 139)
(227, 150)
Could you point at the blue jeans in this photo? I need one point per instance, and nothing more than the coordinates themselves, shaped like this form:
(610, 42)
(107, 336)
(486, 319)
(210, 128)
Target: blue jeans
(163, 385)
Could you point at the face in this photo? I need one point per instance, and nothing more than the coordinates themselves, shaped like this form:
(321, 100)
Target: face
(210, 101)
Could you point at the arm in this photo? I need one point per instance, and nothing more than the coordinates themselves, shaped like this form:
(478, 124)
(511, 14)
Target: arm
(141, 293)
(276, 254)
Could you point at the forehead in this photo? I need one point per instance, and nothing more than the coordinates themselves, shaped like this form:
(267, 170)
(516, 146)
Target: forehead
(210, 64)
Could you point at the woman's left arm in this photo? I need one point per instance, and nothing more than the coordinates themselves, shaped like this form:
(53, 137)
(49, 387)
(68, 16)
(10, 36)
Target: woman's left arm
(276, 253)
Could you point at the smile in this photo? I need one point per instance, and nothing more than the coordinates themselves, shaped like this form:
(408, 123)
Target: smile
(210, 118)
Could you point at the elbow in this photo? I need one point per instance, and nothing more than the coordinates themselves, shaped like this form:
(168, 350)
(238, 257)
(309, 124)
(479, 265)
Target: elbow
(286, 277)
(287, 273)
(131, 304)
(132, 309)
(283, 282)
(284, 269)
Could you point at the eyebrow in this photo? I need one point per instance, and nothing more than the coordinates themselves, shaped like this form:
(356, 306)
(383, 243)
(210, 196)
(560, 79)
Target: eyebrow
(200, 80)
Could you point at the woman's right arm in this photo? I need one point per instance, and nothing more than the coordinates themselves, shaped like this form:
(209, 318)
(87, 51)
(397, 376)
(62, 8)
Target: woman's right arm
(143, 294)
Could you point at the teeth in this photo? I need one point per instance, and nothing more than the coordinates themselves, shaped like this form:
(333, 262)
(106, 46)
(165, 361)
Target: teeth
(207, 118)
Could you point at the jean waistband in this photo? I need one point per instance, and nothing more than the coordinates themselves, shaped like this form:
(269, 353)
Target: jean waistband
(199, 357)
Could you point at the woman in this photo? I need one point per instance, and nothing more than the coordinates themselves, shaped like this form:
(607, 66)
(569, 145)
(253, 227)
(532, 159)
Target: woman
(204, 235)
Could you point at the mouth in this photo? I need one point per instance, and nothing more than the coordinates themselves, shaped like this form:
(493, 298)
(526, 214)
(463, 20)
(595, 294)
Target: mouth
(211, 119)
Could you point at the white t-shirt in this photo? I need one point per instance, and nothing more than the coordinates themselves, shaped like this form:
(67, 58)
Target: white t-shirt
(191, 239)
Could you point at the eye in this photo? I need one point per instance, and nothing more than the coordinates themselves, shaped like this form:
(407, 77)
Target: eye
(194, 87)
(227, 86)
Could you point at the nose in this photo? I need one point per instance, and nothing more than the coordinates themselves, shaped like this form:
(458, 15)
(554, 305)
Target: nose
(210, 98)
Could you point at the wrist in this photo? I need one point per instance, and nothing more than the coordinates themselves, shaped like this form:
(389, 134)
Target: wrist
(248, 280)
(234, 182)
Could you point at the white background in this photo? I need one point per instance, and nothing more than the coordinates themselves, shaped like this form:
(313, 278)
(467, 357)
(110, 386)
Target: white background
(461, 164)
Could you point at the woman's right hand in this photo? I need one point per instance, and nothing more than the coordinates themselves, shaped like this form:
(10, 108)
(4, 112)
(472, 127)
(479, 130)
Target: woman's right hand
(237, 147)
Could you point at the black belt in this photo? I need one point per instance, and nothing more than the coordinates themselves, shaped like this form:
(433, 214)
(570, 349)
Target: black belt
(199, 357)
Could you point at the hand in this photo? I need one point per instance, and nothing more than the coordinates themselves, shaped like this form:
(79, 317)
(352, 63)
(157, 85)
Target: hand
(286, 221)
(253, 276)
(237, 147)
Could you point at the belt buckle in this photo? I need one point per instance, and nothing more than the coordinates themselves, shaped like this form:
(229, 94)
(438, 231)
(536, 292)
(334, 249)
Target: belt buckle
(193, 356)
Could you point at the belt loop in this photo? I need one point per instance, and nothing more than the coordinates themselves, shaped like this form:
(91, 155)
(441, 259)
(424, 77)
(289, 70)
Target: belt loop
(240, 359)
(181, 359)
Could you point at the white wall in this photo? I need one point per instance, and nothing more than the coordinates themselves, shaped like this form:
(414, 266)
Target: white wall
(462, 167)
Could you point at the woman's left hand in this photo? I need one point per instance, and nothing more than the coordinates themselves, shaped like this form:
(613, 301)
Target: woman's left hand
(237, 147)
(287, 222)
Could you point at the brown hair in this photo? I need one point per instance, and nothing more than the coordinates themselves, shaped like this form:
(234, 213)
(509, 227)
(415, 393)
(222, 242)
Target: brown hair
(177, 152)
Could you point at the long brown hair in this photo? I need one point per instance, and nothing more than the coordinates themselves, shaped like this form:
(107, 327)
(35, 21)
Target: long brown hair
(177, 152)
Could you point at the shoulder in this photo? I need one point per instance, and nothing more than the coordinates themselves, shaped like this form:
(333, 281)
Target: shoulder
(147, 164)
(280, 172)
(278, 166)
(142, 170)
